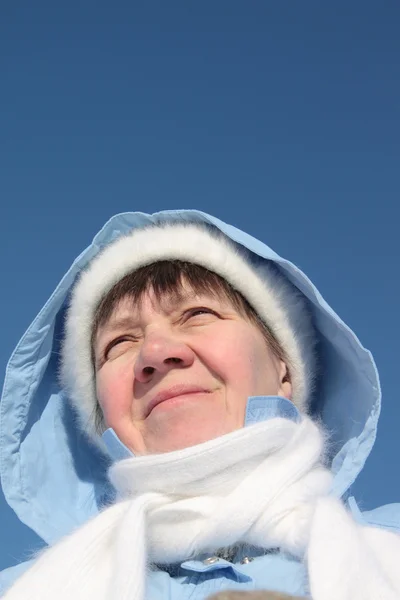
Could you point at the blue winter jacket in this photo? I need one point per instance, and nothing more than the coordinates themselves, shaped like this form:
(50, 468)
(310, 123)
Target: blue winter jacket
(54, 480)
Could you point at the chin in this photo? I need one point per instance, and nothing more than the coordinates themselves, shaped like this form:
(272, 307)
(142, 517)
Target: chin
(174, 442)
(179, 429)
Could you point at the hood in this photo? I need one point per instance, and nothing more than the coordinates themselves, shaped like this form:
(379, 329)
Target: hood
(54, 479)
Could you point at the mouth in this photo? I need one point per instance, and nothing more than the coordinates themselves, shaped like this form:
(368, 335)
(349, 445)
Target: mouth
(174, 392)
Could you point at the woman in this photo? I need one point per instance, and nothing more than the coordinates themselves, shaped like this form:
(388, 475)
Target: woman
(202, 366)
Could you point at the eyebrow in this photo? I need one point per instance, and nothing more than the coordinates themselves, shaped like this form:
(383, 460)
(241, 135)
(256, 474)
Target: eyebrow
(117, 323)
(170, 305)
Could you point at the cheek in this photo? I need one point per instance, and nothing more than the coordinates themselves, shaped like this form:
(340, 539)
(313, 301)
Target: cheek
(245, 364)
(237, 357)
(114, 393)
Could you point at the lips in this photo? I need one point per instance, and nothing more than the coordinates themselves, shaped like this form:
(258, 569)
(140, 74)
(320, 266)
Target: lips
(173, 392)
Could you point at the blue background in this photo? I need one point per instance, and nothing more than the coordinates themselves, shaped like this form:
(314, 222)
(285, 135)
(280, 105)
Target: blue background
(282, 118)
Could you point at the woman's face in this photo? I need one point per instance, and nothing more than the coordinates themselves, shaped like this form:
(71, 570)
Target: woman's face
(174, 375)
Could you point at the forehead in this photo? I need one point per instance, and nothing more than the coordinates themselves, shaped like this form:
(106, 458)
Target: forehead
(169, 281)
(129, 309)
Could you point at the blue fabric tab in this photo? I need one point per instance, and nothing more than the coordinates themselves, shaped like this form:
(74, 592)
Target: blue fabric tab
(263, 408)
(355, 511)
(116, 449)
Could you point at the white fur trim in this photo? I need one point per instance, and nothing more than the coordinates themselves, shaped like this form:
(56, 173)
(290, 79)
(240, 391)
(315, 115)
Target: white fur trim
(276, 301)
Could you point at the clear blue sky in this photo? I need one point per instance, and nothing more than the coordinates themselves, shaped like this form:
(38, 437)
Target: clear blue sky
(282, 118)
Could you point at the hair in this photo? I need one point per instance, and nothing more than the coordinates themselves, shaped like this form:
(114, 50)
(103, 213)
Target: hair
(166, 278)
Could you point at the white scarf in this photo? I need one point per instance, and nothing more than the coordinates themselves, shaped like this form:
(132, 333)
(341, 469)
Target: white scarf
(263, 485)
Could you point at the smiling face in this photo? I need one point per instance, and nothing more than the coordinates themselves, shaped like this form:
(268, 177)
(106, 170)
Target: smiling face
(176, 373)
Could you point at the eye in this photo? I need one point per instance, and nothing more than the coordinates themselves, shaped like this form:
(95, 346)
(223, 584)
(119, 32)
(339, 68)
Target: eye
(115, 343)
(198, 311)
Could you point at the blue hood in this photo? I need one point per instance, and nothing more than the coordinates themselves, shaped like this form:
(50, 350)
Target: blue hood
(54, 479)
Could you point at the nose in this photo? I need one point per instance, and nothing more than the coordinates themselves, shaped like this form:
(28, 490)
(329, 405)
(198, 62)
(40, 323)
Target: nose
(161, 353)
